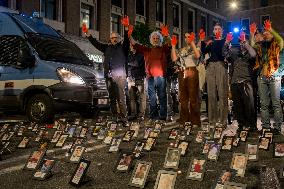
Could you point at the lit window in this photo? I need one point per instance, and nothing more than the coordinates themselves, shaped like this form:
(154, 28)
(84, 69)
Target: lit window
(85, 15)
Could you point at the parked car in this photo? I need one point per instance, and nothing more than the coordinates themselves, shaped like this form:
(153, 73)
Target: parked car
(42, 73)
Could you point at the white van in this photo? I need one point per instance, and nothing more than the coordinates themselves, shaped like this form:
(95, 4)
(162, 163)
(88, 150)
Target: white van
(42, 73)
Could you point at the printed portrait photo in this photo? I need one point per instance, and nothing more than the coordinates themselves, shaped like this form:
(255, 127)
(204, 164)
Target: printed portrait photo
(279, 150)
(239, 162)
(196, 169)
(166, 181)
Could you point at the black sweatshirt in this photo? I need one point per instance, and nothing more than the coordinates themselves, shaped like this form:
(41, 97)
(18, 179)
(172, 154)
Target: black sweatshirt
(214, 49)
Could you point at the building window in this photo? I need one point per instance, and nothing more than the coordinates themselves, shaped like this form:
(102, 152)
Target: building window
(115, 23)
(245, 25)
(264, 3)
(245, 5)
(229, 26)
(217, 4)
(140, 7)
(4, 3)
(48, 9)
(160, 10)
(190, 18)
(263, 18)
(204, 22)
(86, 15)
(176, 15)
(117, 3)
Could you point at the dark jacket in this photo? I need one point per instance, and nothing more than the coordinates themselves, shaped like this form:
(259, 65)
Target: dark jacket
(214, 49)
(242, 62)
(136, 66)
(115, 56)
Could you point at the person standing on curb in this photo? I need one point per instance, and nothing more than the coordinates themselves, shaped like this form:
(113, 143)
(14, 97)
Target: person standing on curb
(188, 58)
(216, 77)
(269, 78)
(115, 64)
(242, 61)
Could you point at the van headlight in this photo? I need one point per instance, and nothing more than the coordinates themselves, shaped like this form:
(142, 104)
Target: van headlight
(69, 77)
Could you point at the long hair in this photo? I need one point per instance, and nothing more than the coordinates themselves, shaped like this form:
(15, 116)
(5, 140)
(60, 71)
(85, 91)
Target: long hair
(159, 35)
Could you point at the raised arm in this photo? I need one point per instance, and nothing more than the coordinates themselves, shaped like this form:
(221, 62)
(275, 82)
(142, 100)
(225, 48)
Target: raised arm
(101, 46)
(173, 51)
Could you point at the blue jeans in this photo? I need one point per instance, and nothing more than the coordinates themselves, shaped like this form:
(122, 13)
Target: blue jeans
(157, 87)
(269, 90)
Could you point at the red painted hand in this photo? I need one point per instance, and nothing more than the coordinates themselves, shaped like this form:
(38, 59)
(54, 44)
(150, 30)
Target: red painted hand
(190, 37)
(252, 28)
(229, 37)
(242, 36)
(165, 30)
(201, 34)
(130, 30)
(174, 40)
(267, 25)
(125, 21)
(84, 28)
(218, 35)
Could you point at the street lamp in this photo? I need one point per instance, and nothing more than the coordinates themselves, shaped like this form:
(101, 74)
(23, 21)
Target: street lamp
(234, 4)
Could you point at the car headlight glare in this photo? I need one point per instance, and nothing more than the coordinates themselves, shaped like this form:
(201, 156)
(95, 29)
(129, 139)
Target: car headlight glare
(70, 77)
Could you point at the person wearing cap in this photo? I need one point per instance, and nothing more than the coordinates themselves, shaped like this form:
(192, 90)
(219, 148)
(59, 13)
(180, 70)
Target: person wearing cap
(242, 61)
(269, 75)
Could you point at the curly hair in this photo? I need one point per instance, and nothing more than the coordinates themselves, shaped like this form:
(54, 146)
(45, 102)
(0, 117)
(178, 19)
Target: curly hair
(159, 35)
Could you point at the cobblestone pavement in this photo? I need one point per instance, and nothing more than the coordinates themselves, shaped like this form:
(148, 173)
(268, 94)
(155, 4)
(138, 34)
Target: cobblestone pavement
(102, 175)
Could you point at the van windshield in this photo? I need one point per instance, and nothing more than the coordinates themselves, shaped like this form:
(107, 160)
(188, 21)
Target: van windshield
(51, 48)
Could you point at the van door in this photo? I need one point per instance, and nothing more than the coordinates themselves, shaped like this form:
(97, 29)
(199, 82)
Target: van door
(15, 74)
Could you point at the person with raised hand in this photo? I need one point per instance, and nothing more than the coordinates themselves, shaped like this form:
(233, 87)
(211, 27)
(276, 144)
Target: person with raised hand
(115, 62)
(242, 60)
(269, 74)
(187, 59)
(216, 78)
(155, 67)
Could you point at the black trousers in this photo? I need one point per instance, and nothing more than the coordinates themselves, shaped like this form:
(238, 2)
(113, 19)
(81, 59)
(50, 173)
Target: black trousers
(243, 99)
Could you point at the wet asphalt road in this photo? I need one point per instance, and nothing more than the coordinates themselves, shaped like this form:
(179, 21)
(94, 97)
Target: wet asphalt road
(102, 175)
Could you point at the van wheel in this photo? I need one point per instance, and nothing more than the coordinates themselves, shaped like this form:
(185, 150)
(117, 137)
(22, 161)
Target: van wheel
(40, 108)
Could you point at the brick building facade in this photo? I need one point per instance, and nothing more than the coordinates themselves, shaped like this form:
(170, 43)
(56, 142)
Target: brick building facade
(103, 16)
(257, 11)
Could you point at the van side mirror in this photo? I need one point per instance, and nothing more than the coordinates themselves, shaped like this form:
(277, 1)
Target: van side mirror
(15, 52)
